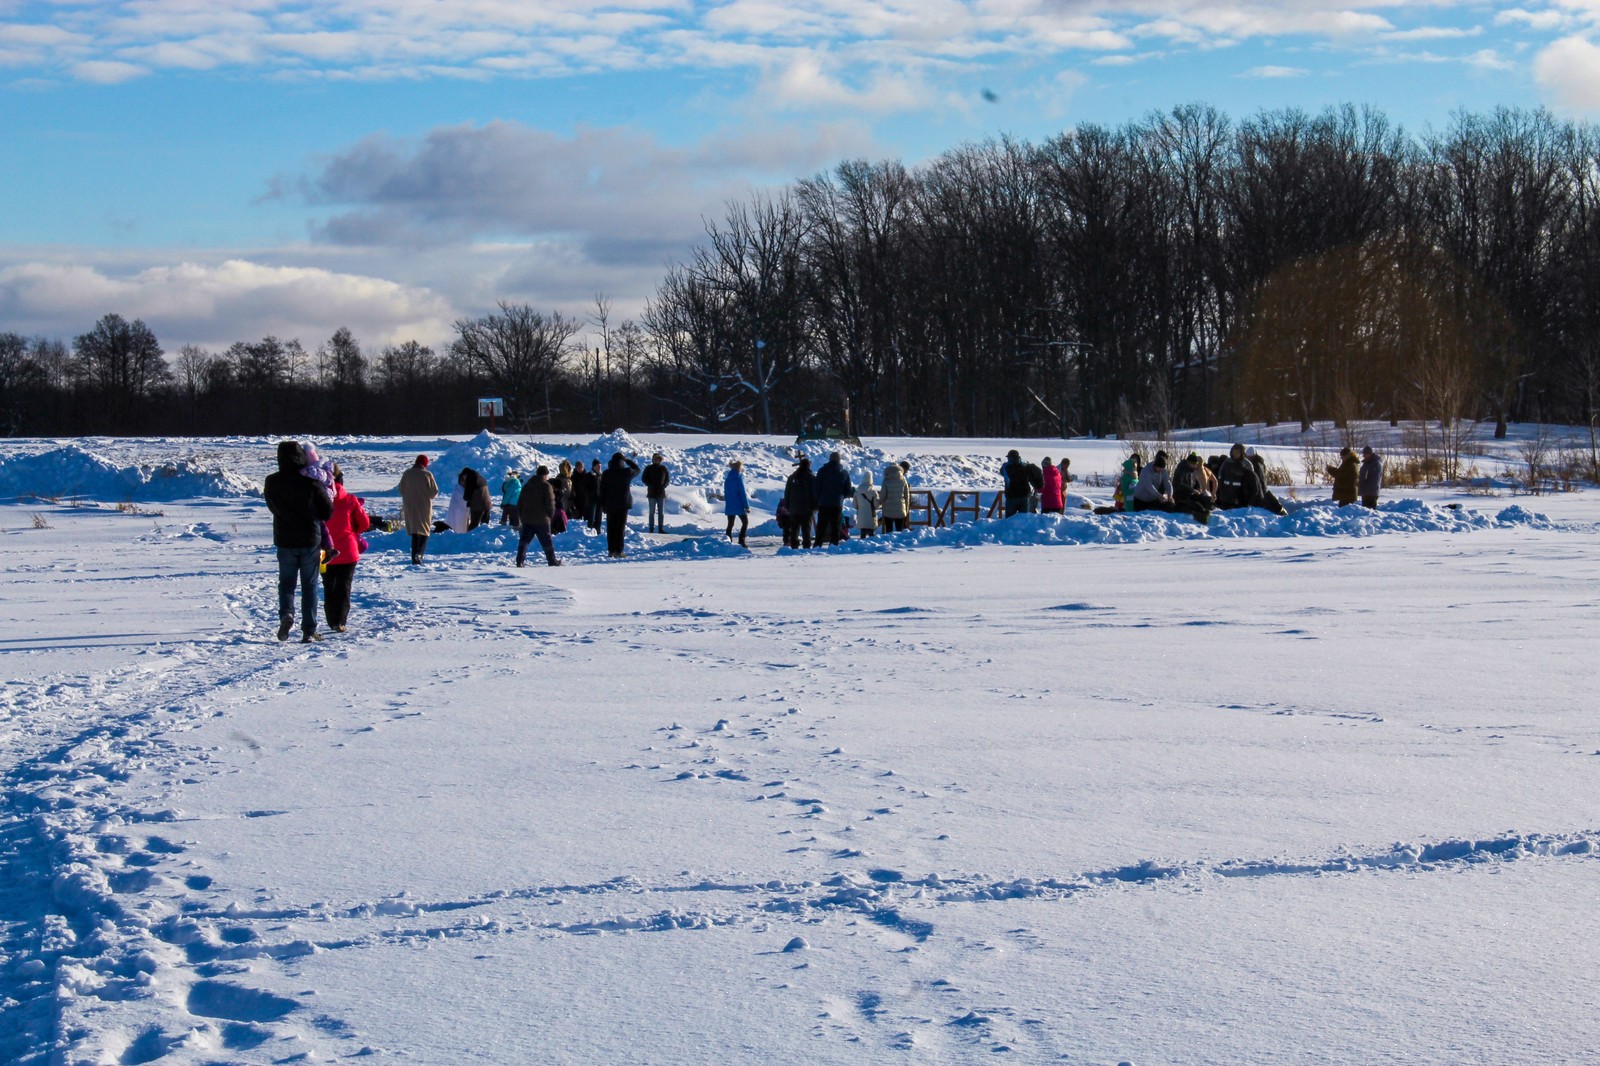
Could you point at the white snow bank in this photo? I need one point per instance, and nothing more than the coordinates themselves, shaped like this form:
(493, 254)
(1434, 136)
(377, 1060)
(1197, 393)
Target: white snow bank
(71, 471)
(1079, 527)
(491, 456)
(1307, 520)
(769, 460)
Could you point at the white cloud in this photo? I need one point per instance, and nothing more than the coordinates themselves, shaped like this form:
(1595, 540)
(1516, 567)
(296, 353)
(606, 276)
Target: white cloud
(217, 303)
(108, 71)
(1275, 72)
(619, 192)
(806, 82)
(874, 48)
(1569, 73)
(1489, 59)
(1534, 20)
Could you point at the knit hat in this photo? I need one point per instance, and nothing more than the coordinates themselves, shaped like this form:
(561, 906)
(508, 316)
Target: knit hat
(422, 461)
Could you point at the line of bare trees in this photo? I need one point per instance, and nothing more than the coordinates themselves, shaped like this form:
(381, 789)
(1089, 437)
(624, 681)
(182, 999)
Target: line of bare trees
(1184, 269)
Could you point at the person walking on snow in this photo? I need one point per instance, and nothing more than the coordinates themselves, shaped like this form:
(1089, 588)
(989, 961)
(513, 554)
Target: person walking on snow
(538, 508)
(735, 500)
(656, 478)
(299, 507)
(510, 493)
(1370, 481)
(616, 500)
(348, 521)
(417, 493)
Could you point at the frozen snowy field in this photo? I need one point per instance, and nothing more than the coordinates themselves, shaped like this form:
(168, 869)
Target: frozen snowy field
(1316, 789)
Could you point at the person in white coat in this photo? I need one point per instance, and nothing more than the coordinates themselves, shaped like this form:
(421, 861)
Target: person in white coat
(867, 505)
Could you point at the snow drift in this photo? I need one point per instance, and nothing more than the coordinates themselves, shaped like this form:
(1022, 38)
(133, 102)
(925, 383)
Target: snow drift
(73, 472)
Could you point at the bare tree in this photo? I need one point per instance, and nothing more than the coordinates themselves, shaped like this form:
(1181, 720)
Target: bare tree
(519, 350)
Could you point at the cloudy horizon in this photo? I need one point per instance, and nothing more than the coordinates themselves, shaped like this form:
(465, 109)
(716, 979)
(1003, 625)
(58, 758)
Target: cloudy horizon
(252, 167)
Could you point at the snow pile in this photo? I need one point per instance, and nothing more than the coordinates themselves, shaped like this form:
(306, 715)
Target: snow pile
(769, 460)
(1311, 520)
(73, 472)
(489, 455)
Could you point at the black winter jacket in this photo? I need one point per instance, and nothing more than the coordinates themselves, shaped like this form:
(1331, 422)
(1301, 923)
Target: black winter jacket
(656, 478)
(1021, 479)
(1237, 485)
(800, 491)
(298, 504)
(616, 485)
(832, 485)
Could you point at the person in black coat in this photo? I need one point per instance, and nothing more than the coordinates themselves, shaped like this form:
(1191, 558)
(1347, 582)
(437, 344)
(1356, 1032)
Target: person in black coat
(1238, 485)
(800, 499)
(299, 506)
(1022, 480)
(832, 487)
(656, 478)
(616, 500)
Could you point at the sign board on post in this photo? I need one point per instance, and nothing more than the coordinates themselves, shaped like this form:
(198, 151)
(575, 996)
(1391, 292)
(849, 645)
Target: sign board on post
(488, 407)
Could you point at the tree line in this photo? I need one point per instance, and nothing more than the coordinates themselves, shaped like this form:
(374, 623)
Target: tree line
(1182, 269)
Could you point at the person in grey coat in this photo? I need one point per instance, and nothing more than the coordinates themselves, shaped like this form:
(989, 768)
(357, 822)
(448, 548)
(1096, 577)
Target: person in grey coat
(1370, 480)
(1154, 491)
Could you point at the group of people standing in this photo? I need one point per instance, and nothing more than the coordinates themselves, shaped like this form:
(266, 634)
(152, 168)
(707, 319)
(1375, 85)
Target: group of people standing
(811, 511)
(317, 524)
(316, 529)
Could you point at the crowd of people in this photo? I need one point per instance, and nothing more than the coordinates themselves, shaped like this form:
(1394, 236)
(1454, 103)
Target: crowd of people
(317, 526)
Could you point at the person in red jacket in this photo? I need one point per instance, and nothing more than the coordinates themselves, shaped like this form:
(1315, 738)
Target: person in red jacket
(349, 521)
(1052, 497)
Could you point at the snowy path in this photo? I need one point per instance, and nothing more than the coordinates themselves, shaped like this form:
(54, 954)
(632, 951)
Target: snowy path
(1297, 800)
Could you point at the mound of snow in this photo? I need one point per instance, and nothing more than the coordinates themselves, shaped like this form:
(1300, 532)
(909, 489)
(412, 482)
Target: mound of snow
(489, 455)
(1308, 520)
(74, 472)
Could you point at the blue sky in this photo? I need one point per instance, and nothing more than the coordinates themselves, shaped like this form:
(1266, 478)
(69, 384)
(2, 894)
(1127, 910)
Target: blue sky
(226, 169)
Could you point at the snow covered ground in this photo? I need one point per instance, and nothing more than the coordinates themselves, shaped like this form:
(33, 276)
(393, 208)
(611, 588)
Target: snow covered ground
(1097, 790)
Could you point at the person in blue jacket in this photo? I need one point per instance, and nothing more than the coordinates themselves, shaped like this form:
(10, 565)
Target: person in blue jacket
(735, 500)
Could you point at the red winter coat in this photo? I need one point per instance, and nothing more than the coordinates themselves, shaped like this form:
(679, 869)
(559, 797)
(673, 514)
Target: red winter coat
(349, 519)
(1050, 497)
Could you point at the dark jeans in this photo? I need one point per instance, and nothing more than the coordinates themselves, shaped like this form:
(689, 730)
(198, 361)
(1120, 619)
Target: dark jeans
(893, 525)
(419, 544)
(1016, 505)
(529, 531)
(1369, 502)
(656, 514)
(1158, 505)
(830, 524)
(298, 565)
(744, 525)
(616, 526)
(336, 582)
(799, 532)
(509, 515)
(594, 516)
(479, 518)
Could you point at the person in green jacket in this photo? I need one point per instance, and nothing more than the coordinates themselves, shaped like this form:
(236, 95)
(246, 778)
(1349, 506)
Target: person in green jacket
(1127, 483)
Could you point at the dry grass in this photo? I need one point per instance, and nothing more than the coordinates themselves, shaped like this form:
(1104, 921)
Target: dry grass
(39, 521)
